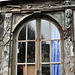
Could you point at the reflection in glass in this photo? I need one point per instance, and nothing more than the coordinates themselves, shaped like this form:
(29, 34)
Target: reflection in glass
(21, 52)
(20, 70)
(45, 29)
(22, 34)
(56, 69)
(45, 51)
(55, 47)
(54, 32)
(30, 69)
(31, 52)
(31, 30)
(46, 69)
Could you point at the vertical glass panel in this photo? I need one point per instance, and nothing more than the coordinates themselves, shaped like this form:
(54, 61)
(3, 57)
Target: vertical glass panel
(21, 52)
(30, 52)
(46, 69)
(30, 69)
(22, 34)
(45, 29)
(55, 49)
(31, 30)
(20, 70)
(45, 45)
(56, 69)
(54, 32)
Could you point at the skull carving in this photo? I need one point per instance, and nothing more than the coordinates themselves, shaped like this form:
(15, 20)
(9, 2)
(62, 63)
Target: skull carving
(68, 17)
(68, 13)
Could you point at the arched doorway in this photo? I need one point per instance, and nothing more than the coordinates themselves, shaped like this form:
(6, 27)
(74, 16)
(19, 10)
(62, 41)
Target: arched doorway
(38, 48)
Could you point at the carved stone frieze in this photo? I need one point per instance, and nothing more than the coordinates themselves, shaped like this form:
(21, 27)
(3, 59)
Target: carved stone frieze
(33, 6)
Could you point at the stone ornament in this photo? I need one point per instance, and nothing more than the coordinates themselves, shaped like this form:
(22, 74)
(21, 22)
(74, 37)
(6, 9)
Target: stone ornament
(67, 2)
(68, 18)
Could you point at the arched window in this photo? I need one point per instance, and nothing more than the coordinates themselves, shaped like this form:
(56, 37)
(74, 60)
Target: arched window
(39, 49)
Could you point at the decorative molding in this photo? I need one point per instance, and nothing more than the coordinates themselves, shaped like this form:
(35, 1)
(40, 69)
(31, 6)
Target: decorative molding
(44, 6)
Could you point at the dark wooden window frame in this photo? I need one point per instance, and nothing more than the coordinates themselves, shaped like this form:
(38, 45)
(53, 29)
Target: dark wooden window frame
(17, 29)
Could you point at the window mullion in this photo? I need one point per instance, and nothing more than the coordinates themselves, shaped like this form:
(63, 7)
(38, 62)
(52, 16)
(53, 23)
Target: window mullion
(50, 49)
(38, 44)
(40, 50)
(36, 52)
(26, 51)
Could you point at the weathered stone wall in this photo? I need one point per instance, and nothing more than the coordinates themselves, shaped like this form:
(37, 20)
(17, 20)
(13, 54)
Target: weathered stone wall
(6, 43)
(1, 50)
(68, 58)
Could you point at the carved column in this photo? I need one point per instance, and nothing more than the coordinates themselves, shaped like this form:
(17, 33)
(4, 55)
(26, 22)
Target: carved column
(68, 44)
(6, 40)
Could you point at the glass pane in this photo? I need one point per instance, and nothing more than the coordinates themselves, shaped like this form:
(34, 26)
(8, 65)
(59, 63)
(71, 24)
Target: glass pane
(54, 32)
(21, 52)
(55, 49)
(45, 51)
(46, 69)
(56, 69)
(22, 34)
(30, 69)
(20, 70)
(31, 30)
(30, 52)
(45, 29)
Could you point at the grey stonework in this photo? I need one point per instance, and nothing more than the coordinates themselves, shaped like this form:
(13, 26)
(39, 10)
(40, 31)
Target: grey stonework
(6, 41)
(68, 57)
